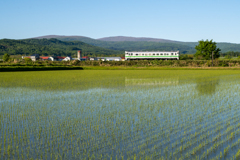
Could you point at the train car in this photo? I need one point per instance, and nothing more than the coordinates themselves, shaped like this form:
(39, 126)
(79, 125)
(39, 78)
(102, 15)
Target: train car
(151, 55)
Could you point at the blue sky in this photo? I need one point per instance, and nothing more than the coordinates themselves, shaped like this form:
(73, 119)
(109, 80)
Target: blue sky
(182, 20)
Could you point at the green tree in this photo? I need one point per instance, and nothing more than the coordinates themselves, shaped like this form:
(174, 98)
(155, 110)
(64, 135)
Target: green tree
(27, 60)
(228, 57)
(6, 57)
(205, 49)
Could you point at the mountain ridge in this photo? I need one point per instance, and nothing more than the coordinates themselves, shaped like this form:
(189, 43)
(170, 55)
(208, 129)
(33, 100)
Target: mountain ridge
(52, 46)
(124, 43)
(133, 39)
(119, 38)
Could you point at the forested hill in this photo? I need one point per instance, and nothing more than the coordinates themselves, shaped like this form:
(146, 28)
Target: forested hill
(53, 46)
(67, 45)
(125, 43)
(137, 44)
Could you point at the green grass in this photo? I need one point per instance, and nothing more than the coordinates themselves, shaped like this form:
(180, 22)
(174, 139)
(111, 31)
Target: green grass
(37, 68)
(52, 68)
(156, 68)
(120, 114)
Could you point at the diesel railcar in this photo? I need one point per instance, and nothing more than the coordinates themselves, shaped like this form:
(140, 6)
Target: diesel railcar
(151, 55)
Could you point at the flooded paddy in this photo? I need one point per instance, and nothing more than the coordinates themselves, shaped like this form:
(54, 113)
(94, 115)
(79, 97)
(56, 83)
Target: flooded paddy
(134, 114)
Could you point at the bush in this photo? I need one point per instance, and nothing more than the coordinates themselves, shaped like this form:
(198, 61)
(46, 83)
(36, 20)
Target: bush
(227, 57)
(6, 57)
(186, 57)
(27, 60)
(75, 62)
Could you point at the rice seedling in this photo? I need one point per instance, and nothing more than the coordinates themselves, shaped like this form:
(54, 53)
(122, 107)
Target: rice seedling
(181, 114)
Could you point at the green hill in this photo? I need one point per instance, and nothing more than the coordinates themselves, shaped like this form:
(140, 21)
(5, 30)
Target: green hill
(225, 47)
(109, 46)
(137, 44)
(52, 47)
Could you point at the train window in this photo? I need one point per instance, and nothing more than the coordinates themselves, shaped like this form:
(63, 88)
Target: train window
(146, 54)
(172, 53)
(161, 54)
(136, 54)
(175, 53)
(164, 53)
(150, 54)
(157, 54)
(153, 54)
(131, 53)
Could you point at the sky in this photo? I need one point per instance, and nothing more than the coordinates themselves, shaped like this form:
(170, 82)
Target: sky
(181, 20)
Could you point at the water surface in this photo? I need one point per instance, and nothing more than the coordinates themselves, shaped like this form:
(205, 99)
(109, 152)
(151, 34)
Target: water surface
(119, 114)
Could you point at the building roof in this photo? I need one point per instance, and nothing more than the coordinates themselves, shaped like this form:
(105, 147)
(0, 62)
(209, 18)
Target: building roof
(59, 57)
(44, 57)
(85, 57)
(148, 51)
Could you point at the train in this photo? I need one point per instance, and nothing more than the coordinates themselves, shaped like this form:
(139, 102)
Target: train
(151, 55)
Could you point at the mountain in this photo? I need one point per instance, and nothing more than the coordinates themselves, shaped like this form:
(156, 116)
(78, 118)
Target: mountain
(134, 39)
(122, 43)
(53, 46)
(138, 45)
(65, 38)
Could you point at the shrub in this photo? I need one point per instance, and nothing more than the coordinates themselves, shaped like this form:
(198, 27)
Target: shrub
(6, 57)
(27, 60)
(227, 57)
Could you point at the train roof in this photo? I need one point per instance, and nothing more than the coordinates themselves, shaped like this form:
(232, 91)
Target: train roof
(151, 51)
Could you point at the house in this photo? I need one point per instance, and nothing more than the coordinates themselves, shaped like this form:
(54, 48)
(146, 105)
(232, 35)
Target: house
(108, 58)
(59, 58)
(85, 57)
(56, 58)
(51, 58)
(101, 58)
(68, 58)
(113, 58)
(93, 59)
(33, 57)
(44, 58)
(123, 58)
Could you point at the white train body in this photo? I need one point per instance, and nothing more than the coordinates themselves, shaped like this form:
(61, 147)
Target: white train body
(150, 55)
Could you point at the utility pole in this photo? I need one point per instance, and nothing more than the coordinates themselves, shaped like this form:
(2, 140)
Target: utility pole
(212, 58)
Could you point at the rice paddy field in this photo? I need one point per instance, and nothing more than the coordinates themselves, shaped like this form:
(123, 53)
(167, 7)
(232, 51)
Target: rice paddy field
(120, 114)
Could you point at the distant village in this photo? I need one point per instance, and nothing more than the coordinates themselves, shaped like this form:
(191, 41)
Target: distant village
(36, 57)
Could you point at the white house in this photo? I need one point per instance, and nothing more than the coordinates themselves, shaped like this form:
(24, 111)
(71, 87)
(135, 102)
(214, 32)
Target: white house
(109, 58)
(113, 58)
(68, 58)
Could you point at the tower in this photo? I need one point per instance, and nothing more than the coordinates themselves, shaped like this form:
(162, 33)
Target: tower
(79, 55)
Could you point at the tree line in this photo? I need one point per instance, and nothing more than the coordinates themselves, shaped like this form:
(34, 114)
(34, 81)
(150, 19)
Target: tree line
(56, 47)
(49, 47)
(206, 50)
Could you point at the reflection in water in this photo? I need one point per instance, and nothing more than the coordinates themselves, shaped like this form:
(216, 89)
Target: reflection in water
(207, 86)
(151, 81)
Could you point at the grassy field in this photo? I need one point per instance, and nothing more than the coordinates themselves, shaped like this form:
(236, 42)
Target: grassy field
(149, 64)
(52, 68)
(120, 114)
